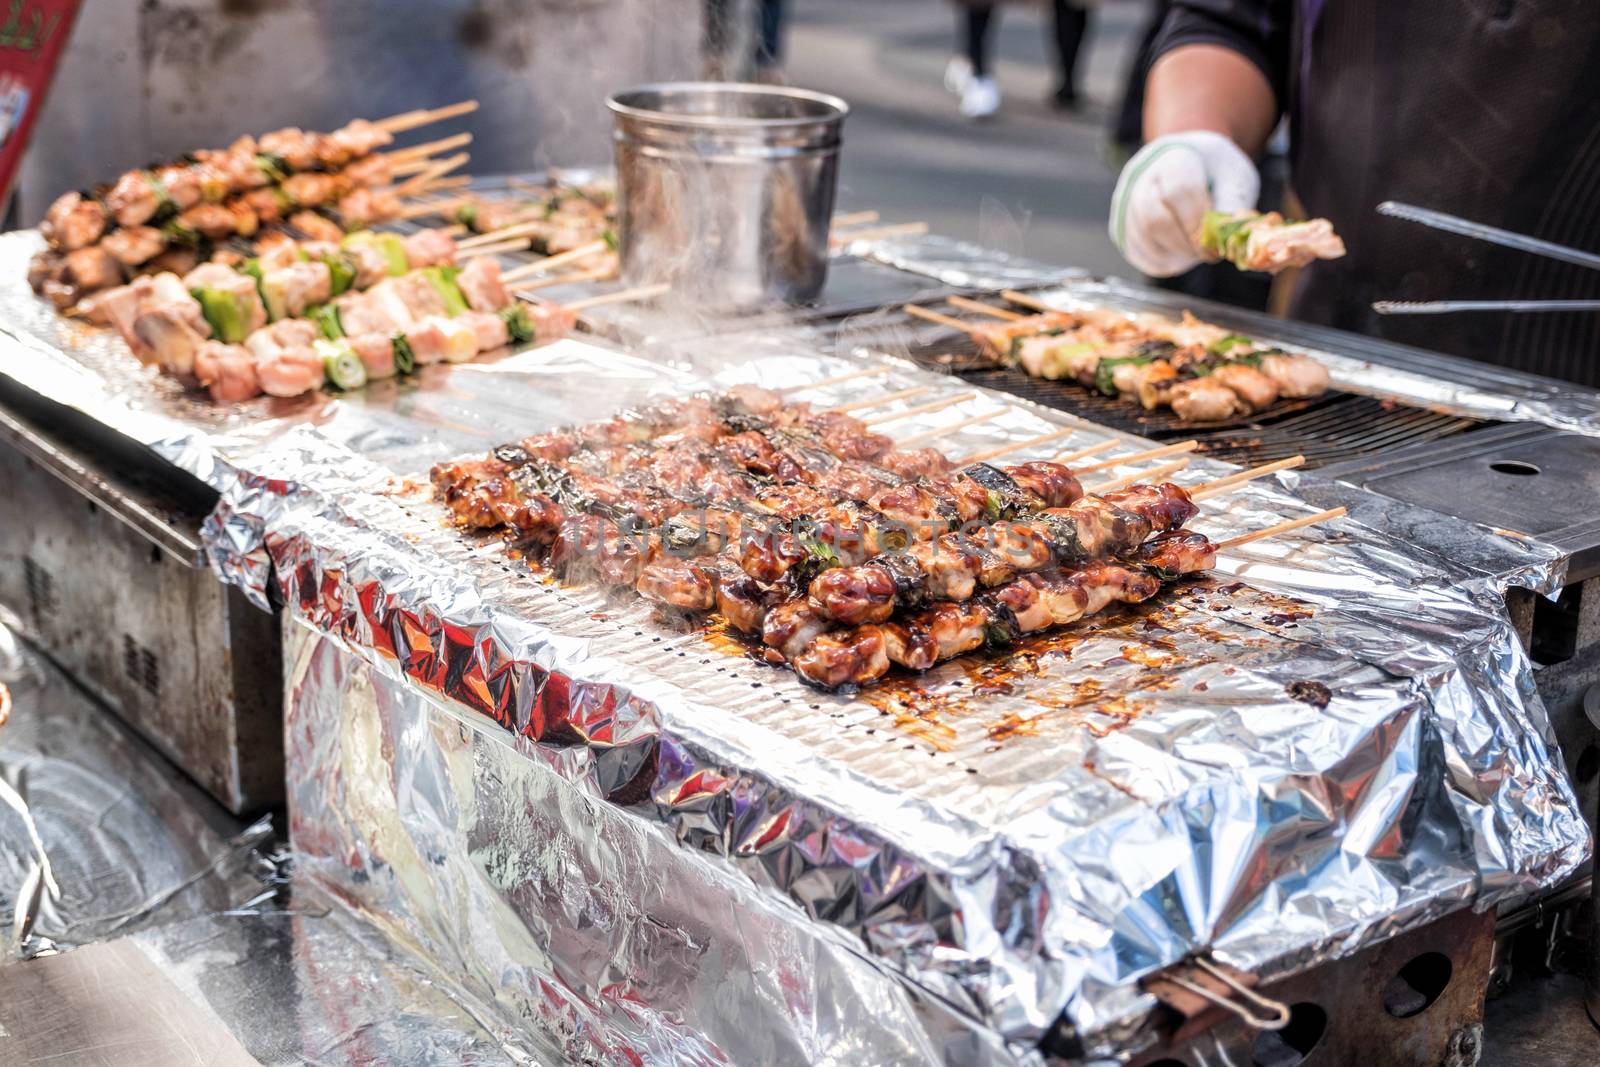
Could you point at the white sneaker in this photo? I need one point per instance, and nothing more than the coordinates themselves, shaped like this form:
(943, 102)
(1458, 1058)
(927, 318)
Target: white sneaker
(957, 74)
(981, 98)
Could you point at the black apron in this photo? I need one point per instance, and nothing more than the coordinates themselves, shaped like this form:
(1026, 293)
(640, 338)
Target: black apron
(1488, 109)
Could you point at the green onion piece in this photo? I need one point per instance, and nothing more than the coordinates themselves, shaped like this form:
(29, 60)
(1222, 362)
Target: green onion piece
(467, 215)
(341, 364)
(393, 248)
(175, 232)
(273, 166)
(341, 271)
(405, 360)
(1233, 340)
(609, 236)
(252, 267)
(519, 324)
(443, 280)
(228, 314)
(274, 296)
(326, 318)
(1105, 373)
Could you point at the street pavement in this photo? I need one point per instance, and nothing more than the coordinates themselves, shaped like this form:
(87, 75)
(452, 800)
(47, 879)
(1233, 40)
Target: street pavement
(1033, 180)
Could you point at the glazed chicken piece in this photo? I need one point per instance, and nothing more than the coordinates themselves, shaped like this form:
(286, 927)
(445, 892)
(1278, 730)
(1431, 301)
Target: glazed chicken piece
(286, 363)
(315, 227)
(1296, 376)
(212, 221)
(1203, 400)
(1256, 389)
(181, 185)
(134, 246)
(1295, 244)
(480, 282)
(228, 372)
(73, 221)
(169, 334)
(91, 269)
(134, 199)
(435, 248)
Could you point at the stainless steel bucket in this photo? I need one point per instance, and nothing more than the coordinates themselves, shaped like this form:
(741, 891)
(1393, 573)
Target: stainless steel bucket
(725, 191)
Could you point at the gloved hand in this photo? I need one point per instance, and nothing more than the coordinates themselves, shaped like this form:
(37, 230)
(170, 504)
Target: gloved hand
(1163, 193)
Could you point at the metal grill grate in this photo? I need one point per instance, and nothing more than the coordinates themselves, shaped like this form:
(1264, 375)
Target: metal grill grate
(1328, 429)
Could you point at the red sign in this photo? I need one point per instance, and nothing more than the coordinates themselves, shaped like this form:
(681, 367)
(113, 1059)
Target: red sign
(32, 35)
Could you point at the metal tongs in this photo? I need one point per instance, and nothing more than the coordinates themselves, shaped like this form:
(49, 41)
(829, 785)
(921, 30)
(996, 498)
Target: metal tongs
(1439, 220)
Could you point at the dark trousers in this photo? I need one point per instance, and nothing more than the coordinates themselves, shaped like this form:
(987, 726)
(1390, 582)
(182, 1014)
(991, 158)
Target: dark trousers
(1071, 23)
(769, 29)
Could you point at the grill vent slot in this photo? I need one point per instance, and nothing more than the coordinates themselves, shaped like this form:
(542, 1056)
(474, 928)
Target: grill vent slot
(41, 589)
(141, 665)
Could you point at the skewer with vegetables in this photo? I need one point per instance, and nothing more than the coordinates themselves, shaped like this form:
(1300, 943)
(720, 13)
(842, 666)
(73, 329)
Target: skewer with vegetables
(1202, 372)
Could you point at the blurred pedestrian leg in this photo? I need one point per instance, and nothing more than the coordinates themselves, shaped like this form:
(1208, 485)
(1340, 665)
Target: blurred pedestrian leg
(968, 72)
(1071, 23)
(743, 40)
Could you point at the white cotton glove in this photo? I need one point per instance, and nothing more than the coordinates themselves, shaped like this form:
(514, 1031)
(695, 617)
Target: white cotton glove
(1163, 193)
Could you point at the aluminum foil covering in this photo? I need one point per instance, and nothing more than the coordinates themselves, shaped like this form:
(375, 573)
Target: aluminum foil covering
(98, 836)
(1017, 839)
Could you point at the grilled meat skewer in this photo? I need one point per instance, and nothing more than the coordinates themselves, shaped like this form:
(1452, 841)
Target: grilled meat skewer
(832, 658)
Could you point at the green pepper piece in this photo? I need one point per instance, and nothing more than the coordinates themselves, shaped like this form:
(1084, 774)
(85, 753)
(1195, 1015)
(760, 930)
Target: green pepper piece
(228, 314)
(467, 215)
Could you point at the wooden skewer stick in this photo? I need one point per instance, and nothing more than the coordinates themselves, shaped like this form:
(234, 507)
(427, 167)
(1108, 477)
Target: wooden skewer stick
(1149, 453)
(933, 316)
(1212, 488)
(1084, 453)
(437, 170)
(525, 229)
(410, 166)
(621, 296)
(594, 274)
(438, 184)
(431, 207)
(411, 120)
(850, 376)
(879, 401)
(953, 428)
(1024, 300)
(921, 409)
(431, 148)
(516, 244)
(455, 230)
(855, 218)
(1141, 476)
(542, 266)
(903, 229)
(1017, 446)
(1282, 527)
(983, 309)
